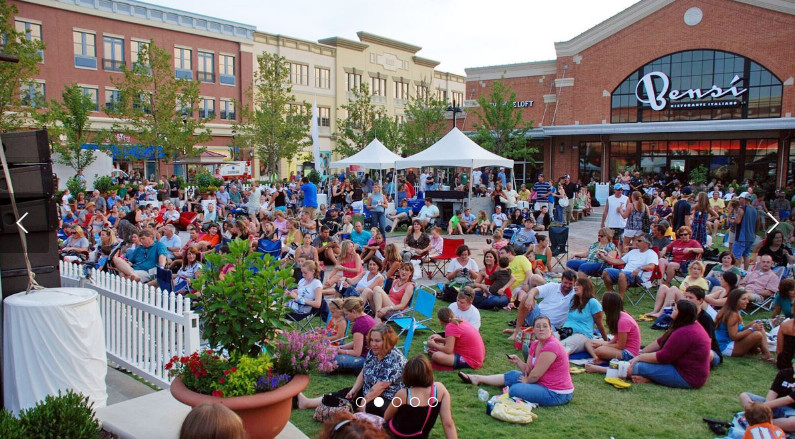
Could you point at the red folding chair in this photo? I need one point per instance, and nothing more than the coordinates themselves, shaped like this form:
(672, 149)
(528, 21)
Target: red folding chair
(438, 264)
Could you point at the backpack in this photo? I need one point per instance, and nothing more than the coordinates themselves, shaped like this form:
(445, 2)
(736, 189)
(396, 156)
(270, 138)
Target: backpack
(449, 293)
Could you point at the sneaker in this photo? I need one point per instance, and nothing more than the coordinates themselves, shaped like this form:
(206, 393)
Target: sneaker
(388, 229)
(488, 241)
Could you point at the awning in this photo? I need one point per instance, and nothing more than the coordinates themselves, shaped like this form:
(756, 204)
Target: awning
(699, 126)
(205, 158)
(130, 152)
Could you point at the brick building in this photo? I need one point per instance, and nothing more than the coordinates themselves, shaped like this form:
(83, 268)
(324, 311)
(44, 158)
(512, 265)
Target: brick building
(87, 42)
(663, 85)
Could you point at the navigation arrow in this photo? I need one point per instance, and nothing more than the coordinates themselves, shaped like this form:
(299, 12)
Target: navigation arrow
(19, 222)
(774, 220)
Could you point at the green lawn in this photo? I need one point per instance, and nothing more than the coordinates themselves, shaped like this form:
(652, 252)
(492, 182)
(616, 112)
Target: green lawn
(598, 410)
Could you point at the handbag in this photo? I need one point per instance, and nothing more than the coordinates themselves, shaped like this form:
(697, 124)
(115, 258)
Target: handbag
(565, 332)
(513, 410)
(331, 404)
(564, 202)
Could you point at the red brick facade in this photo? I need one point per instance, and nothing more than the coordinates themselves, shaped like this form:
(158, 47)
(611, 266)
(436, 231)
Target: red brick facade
(761, 34)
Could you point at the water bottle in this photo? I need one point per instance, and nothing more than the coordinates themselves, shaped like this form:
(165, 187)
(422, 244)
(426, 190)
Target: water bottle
(483, 395)
(425, 346)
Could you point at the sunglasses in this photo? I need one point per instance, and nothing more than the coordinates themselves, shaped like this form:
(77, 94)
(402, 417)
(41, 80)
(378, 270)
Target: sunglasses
(600, 235)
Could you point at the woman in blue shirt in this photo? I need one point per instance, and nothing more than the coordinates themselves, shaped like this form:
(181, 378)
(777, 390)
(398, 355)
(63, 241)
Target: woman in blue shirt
(585, 311)
(402, 214)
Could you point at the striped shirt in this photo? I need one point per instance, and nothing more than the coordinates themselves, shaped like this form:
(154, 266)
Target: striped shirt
(542, 189)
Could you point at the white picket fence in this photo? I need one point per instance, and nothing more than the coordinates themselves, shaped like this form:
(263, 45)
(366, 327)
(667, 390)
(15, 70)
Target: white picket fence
(144, 326)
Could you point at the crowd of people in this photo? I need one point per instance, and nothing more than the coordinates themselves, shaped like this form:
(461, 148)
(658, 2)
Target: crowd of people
(361, 281)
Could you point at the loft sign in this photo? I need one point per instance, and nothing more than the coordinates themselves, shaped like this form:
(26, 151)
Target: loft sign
(518, 104)
(658, 99)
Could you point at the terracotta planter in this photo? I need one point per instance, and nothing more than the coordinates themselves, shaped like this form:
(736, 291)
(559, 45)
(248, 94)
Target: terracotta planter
(264, 414)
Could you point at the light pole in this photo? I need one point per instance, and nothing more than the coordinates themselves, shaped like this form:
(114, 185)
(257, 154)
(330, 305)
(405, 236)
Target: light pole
(455, 110)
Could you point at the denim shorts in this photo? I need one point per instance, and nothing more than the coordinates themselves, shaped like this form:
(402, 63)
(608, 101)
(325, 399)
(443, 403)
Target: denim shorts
(626, 355)
(460, 363)
(778, 412)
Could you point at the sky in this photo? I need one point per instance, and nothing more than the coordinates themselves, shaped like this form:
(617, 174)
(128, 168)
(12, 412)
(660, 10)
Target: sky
(458, 33)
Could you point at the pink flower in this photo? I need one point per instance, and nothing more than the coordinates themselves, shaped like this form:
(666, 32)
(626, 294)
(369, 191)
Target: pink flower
(226, 372)
(234, 369)
(221, 381)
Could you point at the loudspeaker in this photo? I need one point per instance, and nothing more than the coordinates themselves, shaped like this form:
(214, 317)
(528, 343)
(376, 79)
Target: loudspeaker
(16, 281)
(26, 147)
(42, 250)
(42, 216)
(32, 181)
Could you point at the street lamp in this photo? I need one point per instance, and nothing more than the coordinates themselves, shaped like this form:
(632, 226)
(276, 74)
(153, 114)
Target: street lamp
(455, 110)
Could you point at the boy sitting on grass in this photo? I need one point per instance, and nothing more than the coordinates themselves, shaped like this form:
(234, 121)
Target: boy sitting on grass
(760, 423)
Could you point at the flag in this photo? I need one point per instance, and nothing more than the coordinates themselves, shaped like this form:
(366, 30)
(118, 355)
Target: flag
(315, 139)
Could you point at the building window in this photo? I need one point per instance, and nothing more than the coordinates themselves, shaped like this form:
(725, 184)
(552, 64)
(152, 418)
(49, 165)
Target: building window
(322, 78)
(378, 86)
(458, 97)
(323, 116)
(353, 81)
(114, 54)
(591, 161)
(401, 90)
(441, 95)
(299, 74)
(112, 97)
(93, 93)
(143, 103)
(32, 94)
(760, 159)
(422, 92)
(85, 47)
(32, 32)
(227, 69)
(206, 67)
(136, 47)
(748, 89)
(183, 69)
(207, 108)
(227, 110)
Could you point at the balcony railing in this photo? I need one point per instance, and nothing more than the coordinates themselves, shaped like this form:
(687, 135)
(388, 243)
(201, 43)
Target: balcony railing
(183, 74)
(227, 79)
(113, 65)
(227, 115)
(206, 114)
(205, 76)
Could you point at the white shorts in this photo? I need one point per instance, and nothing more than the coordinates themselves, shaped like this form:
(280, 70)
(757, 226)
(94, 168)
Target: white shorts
(575, 343)
(145, 276)
(539, 204)
(632, 233)
(727, 352)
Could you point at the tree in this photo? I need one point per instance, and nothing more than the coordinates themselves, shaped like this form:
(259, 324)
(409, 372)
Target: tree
(425, 124)
(15, 103)
(154, 108)
(500, 127)
(365, 122)
(68, 125)
(273, 124)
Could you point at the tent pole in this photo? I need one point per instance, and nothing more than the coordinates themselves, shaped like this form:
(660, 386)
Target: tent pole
(471, 169)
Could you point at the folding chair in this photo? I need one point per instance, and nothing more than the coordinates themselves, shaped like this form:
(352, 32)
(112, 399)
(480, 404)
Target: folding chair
(438, 264)
(164, 279)
(645, 287)
(559, 243)
(305, 323)
(421, 312)
(767, 303)
(407, 342)
(268, 247)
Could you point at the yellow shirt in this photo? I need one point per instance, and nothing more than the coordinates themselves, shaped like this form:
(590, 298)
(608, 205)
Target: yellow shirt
(717, 204)
(670, 233)
(519, 268)
(524, 195)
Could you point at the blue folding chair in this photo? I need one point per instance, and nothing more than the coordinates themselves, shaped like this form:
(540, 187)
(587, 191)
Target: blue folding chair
(268, 247)
(164, 279)
(407, 342)
(419, 314)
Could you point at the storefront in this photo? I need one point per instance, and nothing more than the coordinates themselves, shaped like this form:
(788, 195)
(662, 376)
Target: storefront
(666, 87)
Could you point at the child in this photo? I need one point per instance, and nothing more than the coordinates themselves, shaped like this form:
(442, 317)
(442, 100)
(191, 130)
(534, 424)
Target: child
(337, 325)
(497, 243)
(347, 227)
(455, 224)
(483, 223)
(500, 280)
(760, 423)
(463, 309)
(437, 243)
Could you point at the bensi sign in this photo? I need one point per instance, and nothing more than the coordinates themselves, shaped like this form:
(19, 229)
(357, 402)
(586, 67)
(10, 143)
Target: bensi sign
(659, 99)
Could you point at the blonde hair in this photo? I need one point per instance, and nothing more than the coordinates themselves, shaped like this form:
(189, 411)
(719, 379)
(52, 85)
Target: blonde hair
(607, 231)
(497, 234)
(312, 266)
(344, 250)
(700, 265)
(210, 421)
(353, 304)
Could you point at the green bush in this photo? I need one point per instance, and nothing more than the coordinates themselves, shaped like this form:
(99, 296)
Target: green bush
(204, 179)
(103, 184)
(75, 186)
(68, 415)
(10, 427)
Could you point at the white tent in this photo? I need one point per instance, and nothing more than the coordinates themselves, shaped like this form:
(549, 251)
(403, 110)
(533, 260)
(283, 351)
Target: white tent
(454, 150)
(373, 156)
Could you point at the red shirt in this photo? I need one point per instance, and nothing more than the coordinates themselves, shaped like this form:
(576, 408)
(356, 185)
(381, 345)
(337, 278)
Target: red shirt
(409, 190)
(677, 248)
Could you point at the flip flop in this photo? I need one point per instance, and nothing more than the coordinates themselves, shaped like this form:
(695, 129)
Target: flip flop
(464, 377)
(645, 318)
(574, 370)
(618, 383)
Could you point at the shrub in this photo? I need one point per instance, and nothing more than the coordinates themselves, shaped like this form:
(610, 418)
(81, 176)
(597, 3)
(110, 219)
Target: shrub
(299, 353)
(103, 184)
(204, 179)
(10, 427)
(68, 415)
(75, 186)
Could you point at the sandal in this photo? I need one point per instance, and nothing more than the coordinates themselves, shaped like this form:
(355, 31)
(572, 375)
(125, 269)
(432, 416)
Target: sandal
(618, 383)
(574, 370)
(464, 377)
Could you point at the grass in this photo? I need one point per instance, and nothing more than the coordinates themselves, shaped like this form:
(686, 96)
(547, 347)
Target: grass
(597, 411)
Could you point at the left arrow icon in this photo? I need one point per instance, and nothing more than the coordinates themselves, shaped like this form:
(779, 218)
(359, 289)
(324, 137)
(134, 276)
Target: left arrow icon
(19, 222)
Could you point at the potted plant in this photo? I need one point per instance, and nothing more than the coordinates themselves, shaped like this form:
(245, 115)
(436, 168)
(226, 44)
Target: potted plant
(256, 366)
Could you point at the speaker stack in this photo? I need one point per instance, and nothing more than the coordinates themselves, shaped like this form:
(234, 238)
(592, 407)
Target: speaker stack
(28, 157)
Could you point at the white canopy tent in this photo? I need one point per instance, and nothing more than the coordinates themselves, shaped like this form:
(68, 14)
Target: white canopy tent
(454, 150)
(373, 156)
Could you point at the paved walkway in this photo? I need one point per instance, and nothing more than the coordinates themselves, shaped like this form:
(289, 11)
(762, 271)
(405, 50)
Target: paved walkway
(582, 234)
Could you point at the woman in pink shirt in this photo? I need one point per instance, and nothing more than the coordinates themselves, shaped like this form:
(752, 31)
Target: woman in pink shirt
(626, 335)
(544, 379)
(680, 358)
(461, 346)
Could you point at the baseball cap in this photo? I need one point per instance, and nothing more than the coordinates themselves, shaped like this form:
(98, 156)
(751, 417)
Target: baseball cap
(617, 187)
(567, 176)
(746, 195)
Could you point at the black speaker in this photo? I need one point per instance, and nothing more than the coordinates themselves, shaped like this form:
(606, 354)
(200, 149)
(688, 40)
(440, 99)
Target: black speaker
(42, 216)
(16, 281)
(31, 181)
(42, 250)
(26, 147)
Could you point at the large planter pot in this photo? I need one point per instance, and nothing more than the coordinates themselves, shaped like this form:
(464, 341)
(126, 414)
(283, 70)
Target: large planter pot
(264, 415)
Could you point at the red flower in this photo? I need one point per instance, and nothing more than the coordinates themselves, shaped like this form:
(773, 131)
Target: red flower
(169, 365)
(184, 359)
(218, 393)
(209, 351)
(226, 372)
(234, 369)
(197, 375)
(221, 381)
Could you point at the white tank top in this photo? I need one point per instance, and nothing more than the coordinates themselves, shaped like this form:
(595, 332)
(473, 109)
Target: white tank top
(364, 283)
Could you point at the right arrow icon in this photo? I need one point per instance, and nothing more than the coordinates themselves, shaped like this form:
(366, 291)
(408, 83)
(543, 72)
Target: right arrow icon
(774, 220)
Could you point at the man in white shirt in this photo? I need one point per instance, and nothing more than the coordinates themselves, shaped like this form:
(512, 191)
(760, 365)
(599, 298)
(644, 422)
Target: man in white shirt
(730, 194)
(557, 300)
(638, 265)
(171, 241)
(423, 181)
(510, 197)
(612, 215)
(498, 219)
(476, 176)
(428, 213)
(254, 198)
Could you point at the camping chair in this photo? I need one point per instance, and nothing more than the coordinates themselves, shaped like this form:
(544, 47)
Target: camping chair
(767, 302)
(438, 264)
(268, 247)
(407, 342)
(645, 287)
(559, 243)
(419, 314)
(306, 322)
(165, 279)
